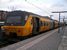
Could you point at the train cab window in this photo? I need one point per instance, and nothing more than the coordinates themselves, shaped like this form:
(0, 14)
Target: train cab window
(15, 20)
(12, 19)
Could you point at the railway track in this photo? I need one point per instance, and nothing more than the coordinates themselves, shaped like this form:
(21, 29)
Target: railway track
(8, 42)
(5, 42)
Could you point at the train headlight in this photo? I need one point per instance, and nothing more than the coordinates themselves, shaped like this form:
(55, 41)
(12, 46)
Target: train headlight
(2, 28)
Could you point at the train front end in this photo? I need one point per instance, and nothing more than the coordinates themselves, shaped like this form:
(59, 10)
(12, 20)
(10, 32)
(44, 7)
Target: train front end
(15, 25)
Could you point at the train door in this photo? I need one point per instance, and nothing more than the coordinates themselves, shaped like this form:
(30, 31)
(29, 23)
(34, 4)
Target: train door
(36, 25)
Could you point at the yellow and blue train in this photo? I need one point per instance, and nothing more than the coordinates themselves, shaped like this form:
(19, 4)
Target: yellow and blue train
(22, 24)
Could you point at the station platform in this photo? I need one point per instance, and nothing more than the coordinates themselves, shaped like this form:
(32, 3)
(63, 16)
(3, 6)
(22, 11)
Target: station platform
(50, 40)
(63, 44)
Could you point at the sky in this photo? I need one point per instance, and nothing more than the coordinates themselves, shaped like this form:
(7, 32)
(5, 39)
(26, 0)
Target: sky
(41, 7)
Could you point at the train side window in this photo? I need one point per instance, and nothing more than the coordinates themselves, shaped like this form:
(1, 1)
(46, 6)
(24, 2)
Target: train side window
(47, 23)
(44, 23)
(41, 23)
(31, 21)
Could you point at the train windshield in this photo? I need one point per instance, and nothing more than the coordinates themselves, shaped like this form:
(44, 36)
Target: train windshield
(15, 20)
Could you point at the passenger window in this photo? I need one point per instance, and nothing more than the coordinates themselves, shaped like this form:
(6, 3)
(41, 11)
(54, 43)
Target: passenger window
(31, 22)
(47, 24)
(44, 23)
(41, 23)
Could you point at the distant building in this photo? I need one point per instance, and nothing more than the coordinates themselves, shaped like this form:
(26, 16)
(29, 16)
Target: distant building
(3, 15)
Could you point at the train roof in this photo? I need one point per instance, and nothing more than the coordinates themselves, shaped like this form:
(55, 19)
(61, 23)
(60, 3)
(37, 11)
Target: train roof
(19, 12)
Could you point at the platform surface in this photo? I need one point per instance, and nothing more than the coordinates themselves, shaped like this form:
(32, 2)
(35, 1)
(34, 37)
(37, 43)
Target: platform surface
(46, 41)
(63, 44)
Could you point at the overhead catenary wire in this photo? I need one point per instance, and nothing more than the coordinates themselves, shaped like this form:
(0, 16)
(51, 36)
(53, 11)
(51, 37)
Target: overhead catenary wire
(13, 8)
(36, 6)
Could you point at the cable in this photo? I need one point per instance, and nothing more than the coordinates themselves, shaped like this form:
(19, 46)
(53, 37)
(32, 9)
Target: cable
(32, 5)
(36, 6)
